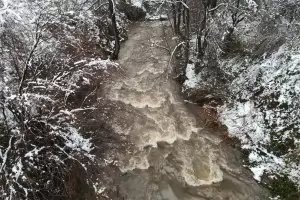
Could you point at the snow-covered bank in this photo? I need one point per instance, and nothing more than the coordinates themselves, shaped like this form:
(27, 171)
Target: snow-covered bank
(250, 61)
(263, 110)
(264, 113)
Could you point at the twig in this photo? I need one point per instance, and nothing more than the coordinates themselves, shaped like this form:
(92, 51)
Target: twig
(71, 157)
(215, 8)
(172, 54)
(38, 37)
(91, 93)
(4, 156)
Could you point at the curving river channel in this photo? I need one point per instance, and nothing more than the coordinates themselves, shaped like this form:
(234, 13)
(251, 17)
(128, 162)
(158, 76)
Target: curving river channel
(173, 156)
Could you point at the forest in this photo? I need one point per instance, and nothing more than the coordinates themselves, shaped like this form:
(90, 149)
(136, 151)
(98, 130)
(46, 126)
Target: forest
(113, 99)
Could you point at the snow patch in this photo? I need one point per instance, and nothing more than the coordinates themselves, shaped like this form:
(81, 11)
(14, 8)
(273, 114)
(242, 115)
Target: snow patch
(192, 78)
(137, 3)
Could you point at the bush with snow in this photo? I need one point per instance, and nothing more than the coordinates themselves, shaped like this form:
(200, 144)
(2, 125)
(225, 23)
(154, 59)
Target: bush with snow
(53, 59)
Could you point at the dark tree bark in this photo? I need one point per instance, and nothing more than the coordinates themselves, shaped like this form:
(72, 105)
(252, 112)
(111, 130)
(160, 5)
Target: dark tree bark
(184, 13)
(179, 9)
(29, 58)
(174, 12)
(187, 34)
(111, 7)
(202, 33)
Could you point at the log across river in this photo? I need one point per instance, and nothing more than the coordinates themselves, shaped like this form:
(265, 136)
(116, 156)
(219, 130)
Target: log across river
(173, 156)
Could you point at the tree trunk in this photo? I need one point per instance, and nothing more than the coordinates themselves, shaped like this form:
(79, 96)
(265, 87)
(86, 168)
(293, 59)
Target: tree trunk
(201, 44)
(187, 34)
(174, 11)
(179, 8)
(111, 6)
(184, 13)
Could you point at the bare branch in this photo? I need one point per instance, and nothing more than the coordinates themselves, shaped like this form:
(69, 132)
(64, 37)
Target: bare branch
(27, 64)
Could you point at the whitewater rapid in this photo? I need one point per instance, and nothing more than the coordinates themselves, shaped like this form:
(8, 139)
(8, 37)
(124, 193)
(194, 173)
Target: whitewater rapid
(173, 155)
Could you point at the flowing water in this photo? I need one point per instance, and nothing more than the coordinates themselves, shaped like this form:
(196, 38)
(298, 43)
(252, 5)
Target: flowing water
(173, 157)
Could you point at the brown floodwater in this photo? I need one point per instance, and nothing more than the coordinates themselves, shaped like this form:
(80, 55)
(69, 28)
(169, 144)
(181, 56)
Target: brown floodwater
(173, 157)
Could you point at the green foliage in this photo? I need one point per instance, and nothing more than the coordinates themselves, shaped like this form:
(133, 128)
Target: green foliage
(278, 146)
(286, 189)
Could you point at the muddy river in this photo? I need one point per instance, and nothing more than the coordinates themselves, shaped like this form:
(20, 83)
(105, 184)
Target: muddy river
(173, 157)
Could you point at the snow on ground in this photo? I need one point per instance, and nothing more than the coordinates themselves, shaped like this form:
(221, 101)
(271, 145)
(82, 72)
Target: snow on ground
(137, 3)
(192, 78)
